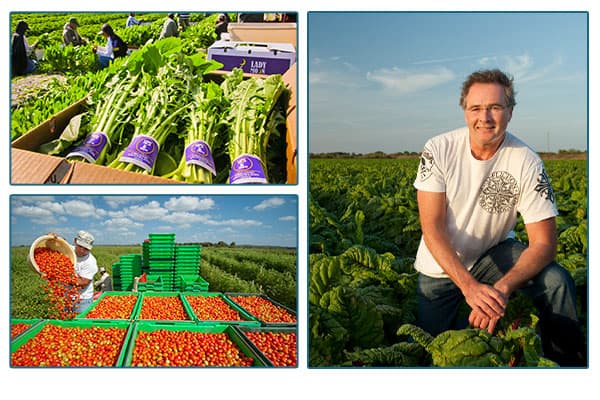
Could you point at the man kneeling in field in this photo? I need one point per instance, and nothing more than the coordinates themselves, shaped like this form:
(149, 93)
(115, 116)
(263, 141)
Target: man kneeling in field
(471, 185)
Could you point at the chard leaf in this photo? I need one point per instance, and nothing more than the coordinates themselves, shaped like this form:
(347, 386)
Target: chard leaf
(68, 136)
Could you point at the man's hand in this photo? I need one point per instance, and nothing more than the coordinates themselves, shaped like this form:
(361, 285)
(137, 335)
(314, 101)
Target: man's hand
(482, 321)
(485, 300)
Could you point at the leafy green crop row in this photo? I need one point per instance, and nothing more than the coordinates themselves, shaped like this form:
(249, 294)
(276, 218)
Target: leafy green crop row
(364, 234)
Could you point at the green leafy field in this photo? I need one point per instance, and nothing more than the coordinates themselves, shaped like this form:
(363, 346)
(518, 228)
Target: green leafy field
(364, 234)
(267, 271)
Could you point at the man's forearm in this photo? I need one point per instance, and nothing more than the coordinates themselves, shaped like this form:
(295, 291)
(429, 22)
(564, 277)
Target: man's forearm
(530, 263)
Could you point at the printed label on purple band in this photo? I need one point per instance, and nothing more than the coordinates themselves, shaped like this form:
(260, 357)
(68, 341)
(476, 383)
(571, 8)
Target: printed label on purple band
(199, 153)
(91, 147)
(142, 151)
(247, 169)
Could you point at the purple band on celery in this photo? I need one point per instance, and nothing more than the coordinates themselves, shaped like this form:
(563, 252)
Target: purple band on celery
(142, 152)
(247, 169)
(91, 148)
(199, 153)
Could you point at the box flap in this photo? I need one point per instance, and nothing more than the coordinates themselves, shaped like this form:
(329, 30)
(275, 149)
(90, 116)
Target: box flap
(280, 32)
(84, 173)
(34, 168)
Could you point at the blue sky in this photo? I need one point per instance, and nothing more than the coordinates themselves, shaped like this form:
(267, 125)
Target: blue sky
(121, 219)
(388, 81)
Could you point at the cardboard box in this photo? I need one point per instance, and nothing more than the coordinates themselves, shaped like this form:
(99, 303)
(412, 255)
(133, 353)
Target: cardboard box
(253, 57)
(265, 32)
(30, 167)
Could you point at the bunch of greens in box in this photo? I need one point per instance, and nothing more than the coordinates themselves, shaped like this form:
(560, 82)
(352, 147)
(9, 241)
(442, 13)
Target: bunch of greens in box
(255, 114)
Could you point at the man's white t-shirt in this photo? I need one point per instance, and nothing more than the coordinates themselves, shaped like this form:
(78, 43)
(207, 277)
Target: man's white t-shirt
(86, 267)
(483, 197)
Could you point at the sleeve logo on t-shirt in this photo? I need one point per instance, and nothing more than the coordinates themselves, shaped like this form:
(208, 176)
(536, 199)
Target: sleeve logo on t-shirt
(426, 166)
(499, 193)
(544, 188)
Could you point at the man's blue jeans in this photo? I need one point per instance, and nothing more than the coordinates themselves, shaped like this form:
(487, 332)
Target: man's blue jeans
(83, 305)
(552, 291)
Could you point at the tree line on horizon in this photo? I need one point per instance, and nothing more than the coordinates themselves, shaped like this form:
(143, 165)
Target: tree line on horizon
(574, 153)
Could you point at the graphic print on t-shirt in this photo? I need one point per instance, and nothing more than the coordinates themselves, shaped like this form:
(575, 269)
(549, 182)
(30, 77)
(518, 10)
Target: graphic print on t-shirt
(543, 187)
(426, 165)
(499, 192)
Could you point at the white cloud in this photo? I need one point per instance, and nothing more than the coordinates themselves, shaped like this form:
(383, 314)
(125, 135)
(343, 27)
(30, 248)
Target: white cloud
(189, 203)
(79, 208)
(184, 217)
(234, 222)
(118, 223)
(148, 211)
(40, 215)
(52, 206)
(402, 81)
(273, 202)
(287, 218)
(118, 201)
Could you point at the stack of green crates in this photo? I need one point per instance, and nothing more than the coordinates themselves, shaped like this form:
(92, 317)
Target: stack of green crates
(145, 255)
(161, 258)
(187, 259)
(125, 270)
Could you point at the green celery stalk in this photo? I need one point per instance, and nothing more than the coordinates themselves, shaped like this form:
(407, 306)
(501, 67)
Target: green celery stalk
(253, 116)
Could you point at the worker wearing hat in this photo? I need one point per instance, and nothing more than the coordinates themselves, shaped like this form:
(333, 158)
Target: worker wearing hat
(105, 281)
(70, 34)
(85, 269)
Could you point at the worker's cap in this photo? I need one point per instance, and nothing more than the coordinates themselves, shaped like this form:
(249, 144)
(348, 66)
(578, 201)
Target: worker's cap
(102, 269)
(106, 28)
(74, 21)
(85, 239)
(221, 17)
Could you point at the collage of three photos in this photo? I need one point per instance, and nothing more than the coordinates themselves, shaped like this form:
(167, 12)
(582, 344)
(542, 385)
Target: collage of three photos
(445, 179)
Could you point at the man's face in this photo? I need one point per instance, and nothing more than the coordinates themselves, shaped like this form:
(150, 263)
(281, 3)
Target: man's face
(80, 251)
(487, 114)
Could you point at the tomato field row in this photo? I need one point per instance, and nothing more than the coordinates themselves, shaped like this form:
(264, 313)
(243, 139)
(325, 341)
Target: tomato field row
(364, 233)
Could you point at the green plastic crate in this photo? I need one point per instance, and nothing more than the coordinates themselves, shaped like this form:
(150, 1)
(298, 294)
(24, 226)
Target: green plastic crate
(22, 339)
(83, 315)
(234, 336)
(191, 283)
(31, 322)
(248, 320)
(153, 283)
(275, 329)
(229, 295)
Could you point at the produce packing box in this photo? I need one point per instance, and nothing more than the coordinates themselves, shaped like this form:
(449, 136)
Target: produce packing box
(265, 32)
(31, 167)
(253, 57)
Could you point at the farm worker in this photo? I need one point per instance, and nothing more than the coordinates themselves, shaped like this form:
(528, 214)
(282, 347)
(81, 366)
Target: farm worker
(115, 46)
(221, 26)
(131, 21)
(169, 27)
(70, 34)
(471, 184)
(184, 21)
(85, 268)
(22, 63)
(105, 281)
